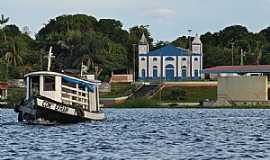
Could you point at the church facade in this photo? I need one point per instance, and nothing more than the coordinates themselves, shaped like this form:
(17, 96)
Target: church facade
(169, 62)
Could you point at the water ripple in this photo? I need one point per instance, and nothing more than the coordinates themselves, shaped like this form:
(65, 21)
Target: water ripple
(143, 134)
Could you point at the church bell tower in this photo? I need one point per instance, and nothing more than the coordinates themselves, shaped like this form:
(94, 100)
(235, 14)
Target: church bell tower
(197, 46)
(143, 45)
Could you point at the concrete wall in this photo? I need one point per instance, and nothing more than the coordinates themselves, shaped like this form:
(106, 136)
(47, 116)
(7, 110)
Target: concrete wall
(243, 88)
(122, 78)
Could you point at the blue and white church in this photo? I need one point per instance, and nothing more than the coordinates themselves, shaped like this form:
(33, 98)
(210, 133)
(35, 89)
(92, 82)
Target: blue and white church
(169, 62)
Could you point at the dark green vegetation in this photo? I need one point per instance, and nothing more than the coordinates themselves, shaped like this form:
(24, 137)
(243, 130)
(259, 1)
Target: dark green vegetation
(104, 45)
(119, 90)
(140, 103)
(219, 46)
(15, 95)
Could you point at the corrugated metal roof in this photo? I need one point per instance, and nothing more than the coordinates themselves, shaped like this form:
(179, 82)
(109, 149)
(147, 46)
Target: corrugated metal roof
(170, 50)
(238, 69)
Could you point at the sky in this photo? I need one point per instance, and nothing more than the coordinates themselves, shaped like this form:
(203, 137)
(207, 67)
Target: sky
(168, 19)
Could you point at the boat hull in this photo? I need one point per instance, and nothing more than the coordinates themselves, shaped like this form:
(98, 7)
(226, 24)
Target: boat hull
(41, 109)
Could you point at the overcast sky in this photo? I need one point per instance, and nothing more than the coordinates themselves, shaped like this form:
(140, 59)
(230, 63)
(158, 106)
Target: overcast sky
(168, 19)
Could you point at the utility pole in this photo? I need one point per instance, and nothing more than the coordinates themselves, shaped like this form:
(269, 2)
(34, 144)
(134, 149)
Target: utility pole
(134, 62)
(232, 53)
(242, 57)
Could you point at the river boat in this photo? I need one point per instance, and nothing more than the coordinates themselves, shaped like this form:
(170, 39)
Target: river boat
(53, 97)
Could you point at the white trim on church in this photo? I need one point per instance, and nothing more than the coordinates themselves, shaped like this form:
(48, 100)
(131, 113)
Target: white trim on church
(169, 62)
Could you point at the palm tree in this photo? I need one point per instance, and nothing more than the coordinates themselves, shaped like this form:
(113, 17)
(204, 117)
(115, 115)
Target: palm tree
(3, 21)
(14, 52)
(258, 52)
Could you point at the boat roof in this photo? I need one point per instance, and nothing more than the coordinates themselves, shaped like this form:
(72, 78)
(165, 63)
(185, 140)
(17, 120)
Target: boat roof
(238, 69)
(95, 82)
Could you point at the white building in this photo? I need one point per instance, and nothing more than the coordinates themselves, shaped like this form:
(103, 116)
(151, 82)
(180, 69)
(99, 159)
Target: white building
(170, 62)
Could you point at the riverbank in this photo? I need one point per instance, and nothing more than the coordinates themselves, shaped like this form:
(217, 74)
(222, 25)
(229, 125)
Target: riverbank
(15, 95)
(171, 97)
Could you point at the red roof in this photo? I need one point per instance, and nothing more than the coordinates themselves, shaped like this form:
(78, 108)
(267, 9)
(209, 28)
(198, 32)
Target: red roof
(3, 85)
(239, 69)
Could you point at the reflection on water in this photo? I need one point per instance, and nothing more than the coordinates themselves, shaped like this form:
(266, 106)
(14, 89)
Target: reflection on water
(143, 134)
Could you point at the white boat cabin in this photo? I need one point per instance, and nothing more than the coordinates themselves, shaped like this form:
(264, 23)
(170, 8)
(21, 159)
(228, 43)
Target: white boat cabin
(63, 89)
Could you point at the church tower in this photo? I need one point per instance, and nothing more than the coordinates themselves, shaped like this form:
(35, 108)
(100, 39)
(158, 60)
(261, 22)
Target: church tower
(197, 46)
(197, 65)
(143, 45)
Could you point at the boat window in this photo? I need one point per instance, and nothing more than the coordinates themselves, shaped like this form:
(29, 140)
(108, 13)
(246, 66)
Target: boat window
(34, 83)
(49, 83)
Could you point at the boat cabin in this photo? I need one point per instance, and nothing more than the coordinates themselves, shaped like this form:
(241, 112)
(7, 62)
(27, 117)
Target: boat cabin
(3, 93)
(63, 89)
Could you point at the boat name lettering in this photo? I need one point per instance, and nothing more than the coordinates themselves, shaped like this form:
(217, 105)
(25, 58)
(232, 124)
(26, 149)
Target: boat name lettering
(46, 104)
(61, 108)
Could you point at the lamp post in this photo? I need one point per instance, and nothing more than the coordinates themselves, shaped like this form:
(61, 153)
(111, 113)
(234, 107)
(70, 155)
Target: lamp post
(134, 62)
(232, 53)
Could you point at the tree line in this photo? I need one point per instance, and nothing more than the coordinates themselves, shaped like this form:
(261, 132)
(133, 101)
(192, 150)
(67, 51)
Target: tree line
(104, 45)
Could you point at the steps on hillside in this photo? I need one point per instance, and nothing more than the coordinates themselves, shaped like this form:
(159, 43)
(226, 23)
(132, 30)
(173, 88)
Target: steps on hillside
(146, 91)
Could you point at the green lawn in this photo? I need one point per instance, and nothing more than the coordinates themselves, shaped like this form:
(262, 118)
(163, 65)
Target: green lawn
(186, 94)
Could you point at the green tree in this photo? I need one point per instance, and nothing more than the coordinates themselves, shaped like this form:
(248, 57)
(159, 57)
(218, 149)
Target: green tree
(15, 51)
(3, 21)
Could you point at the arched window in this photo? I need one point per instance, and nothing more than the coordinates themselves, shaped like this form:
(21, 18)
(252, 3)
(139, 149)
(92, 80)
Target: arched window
(155, 59)
(196, 59)
(169, 59)
(184, 67)
(142, 59)
(184, 59)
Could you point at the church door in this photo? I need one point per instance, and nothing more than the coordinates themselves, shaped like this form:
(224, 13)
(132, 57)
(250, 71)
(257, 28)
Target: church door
(169, 72)
(196, 74)
(155, 73)
(184, 73)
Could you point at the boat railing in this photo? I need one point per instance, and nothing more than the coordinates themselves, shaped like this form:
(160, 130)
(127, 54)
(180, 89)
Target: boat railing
(74, 96)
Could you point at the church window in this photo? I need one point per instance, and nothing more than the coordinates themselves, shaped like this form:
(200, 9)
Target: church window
(196, 59)
(142, 59)
(184, 67)
(169, 59)
(155, 59)
(184, 59)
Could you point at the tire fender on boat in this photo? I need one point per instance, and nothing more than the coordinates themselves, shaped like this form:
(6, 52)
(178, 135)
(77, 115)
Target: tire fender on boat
(20, 117)
(80, 112)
